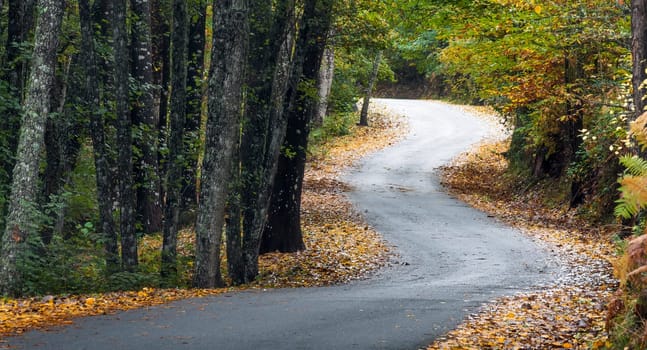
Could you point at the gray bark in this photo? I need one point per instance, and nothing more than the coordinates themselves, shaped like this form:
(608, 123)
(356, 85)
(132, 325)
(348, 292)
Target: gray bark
(101, 163)
(363, 117)
(264, 130)
(639, 53)
(124, 138)
(179, 38)
(283, 226)
(149, 205)
(226, 79)
(195, 92)
(22, 214)
(324, 82)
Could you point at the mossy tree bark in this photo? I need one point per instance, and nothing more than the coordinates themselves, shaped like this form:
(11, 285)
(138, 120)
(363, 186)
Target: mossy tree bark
(97, 133)
(23, 214)
(225, 91)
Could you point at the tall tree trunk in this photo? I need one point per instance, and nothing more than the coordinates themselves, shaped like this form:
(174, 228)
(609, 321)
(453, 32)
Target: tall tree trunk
(20, 19)
(226, 79)
(283, 227)
(363, 116)
(324, 82)
(22, 215)
(639, 52)
(195, 90)
(266, 124)
(21, 22)
(179, 38)
(124, 138)
(101, 163)
(145, 117)
(161, 28)
(62, 146)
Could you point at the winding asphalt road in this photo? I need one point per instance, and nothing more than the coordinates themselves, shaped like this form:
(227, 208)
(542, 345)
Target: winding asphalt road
(451, 259)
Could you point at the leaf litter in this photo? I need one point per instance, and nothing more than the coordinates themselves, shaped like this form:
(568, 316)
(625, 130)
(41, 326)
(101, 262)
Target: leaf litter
(340, 246)
(568, 313)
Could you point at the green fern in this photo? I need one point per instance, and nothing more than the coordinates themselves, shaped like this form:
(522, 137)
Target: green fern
(635, 165)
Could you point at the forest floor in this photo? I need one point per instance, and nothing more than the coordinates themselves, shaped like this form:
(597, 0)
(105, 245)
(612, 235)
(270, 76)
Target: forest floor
(340, 245)
(566, 314)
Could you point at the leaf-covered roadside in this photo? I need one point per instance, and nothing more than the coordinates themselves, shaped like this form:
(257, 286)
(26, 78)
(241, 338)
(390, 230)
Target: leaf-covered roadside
(340, 246)
(568, 313)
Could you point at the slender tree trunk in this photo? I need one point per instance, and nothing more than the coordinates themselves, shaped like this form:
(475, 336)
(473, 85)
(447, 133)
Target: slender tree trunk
(21, 22)
(639, 52)
(268, 123)
(363, 117)
(101, 163)
(62, 146)
(20, 19)
(195, 88)
(324, 82)
(283, 227)
(179, 38)
(124, 139)
(145, 117)
(22, 215)
(226, 79)
(160, 24)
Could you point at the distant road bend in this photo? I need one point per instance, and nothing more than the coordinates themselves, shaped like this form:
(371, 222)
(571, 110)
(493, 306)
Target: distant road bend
(451, 259)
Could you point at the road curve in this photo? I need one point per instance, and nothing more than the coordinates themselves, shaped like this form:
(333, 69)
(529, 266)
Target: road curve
(451, 258)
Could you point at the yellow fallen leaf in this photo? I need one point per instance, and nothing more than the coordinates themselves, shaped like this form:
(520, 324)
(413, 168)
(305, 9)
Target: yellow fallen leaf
(90, 301)
(538, 9)
(567, 346)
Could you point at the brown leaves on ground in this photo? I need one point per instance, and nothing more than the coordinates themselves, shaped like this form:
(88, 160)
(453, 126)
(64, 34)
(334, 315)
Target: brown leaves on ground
(570, 313)
(20, 315)
(340, 246)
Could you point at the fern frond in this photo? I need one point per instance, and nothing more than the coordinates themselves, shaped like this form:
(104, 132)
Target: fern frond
(635, 165)
(634, 196)
(638, 128)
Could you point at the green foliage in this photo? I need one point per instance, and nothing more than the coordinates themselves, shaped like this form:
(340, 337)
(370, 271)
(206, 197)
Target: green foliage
(63, 266)
(334, 125)
(633, 185)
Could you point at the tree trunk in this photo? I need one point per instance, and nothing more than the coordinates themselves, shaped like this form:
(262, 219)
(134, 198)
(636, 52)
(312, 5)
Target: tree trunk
(195, 89)
(160, 24)
(324, 82)
(62, 146)
(124, 139)
(22, 216)
(21, 22)
(639, 52)
(145, 117)
(286, 202)
(20, 19)
(363, 117)
(266, 125)
(101, 163)
(179, 38)
(226, 79)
